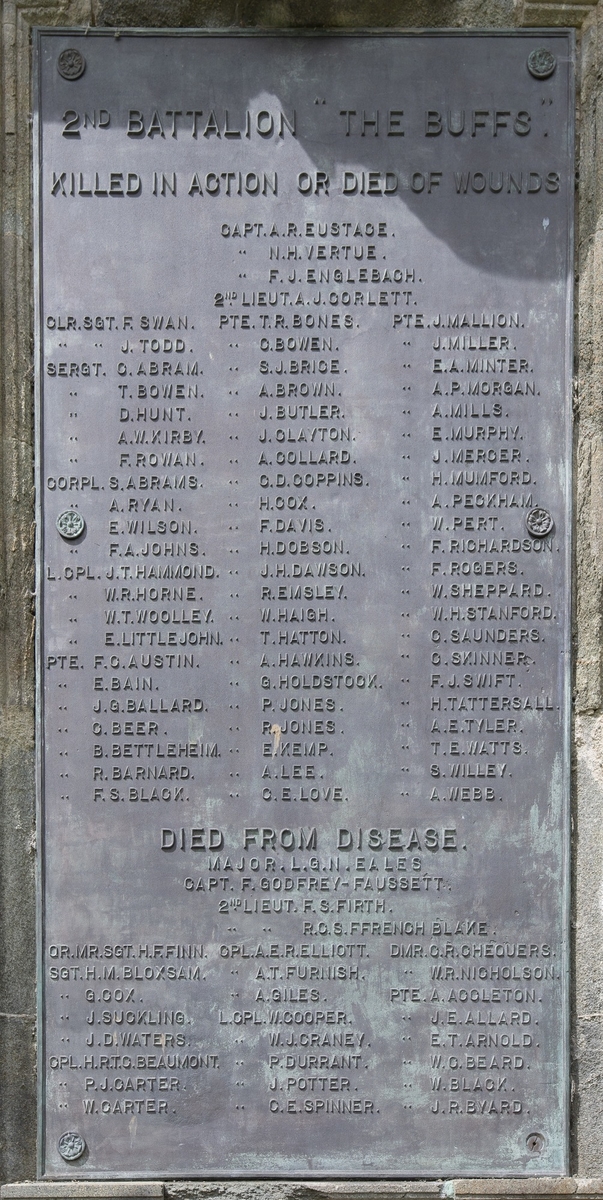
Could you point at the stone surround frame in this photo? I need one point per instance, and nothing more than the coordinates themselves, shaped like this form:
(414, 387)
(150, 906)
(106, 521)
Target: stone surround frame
(17, 597)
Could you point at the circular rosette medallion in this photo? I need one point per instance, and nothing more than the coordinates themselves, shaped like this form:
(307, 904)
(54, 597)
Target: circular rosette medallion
(70, 524)
(71, 1146)
(71, 64)
(541, 63)
(539, 522)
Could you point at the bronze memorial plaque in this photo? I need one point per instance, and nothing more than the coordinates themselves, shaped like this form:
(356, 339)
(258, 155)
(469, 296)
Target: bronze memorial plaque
(304, 350)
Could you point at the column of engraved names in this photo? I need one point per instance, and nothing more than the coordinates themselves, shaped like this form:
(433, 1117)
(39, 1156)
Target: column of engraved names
(307, 454)
(310, 578)
(147, 699)
(303, 445)
(489, 621)
(304, 442)
(422, 846)
(72, 379)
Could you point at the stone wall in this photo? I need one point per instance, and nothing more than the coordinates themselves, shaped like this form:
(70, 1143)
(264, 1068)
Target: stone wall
(17, 598)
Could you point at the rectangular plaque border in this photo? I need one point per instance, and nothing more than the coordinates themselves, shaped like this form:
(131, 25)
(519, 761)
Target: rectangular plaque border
(38, 32)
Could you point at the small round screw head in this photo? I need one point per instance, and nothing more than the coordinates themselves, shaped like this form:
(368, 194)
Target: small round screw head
(535, 1143)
